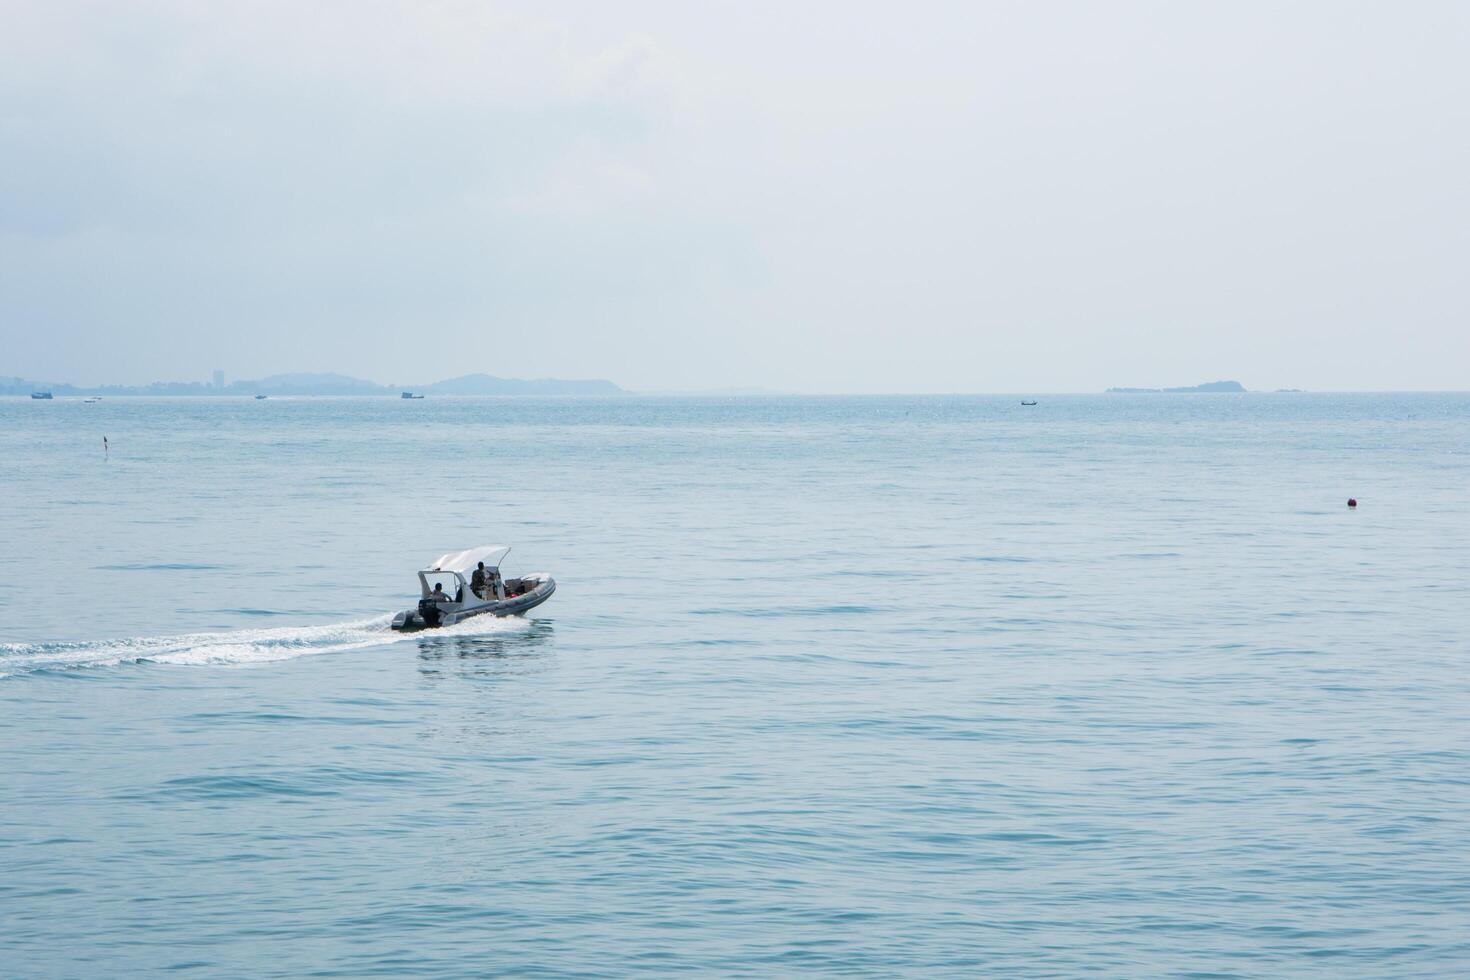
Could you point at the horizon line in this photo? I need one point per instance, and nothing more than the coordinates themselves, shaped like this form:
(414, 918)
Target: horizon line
(773, 393)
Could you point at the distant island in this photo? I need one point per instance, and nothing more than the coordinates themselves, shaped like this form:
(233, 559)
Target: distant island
(1213, 386)
(327, 384)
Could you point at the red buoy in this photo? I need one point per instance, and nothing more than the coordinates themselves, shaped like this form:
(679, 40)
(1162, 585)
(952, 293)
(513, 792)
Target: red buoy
(1352, 501)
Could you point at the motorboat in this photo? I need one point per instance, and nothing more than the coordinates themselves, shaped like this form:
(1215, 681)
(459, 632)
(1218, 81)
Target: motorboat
(41, 396)
(92, 400)
(410, 395)
(1028, 403)
(261, 398)
(446, 596)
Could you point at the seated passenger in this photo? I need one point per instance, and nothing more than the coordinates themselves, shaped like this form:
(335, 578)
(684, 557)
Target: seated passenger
(438, 594)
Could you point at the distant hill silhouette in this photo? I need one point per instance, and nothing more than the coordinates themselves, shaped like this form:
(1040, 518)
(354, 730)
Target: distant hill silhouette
(327, 384)
(1213, 386)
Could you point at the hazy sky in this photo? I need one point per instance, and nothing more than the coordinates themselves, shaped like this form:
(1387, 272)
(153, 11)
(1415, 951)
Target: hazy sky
(810, 196)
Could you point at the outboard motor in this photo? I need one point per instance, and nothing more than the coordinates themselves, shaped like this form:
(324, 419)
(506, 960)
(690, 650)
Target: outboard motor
(429, 611)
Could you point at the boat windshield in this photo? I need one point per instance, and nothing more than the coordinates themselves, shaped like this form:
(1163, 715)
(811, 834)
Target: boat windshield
(450, 584)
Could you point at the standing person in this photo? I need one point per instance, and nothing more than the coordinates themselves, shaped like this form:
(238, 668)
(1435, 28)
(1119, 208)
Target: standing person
(477, 581)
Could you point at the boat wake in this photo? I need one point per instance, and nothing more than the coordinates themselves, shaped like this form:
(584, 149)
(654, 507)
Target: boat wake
(234, 648)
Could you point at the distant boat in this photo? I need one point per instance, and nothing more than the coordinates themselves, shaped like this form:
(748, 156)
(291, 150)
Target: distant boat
(92, 401)
(260, 398)
(1028, 403)
(409, 394)
(41, 395)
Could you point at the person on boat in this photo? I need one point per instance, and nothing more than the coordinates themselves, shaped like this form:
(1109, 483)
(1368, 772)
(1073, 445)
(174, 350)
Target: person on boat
(438, 595)
(477, 581)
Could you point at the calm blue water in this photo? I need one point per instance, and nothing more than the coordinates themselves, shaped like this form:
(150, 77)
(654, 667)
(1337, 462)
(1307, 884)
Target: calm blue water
(870, 686)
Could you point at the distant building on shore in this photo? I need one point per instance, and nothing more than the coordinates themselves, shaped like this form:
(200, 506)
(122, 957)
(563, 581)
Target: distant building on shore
(219, 378)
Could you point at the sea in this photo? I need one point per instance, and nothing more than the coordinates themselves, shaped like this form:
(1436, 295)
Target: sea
(1111, 685)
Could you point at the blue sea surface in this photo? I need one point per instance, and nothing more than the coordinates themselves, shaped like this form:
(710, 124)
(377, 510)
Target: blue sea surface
(941, 686)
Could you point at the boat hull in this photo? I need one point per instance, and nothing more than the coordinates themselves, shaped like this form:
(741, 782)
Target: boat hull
(412, 620)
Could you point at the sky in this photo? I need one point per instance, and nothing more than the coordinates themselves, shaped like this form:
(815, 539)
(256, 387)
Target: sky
(816, 197)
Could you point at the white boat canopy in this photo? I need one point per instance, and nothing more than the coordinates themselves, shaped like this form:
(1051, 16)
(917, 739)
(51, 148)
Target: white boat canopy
(463, 561)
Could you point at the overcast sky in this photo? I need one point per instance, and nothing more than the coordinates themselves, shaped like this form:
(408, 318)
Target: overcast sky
(919, 197)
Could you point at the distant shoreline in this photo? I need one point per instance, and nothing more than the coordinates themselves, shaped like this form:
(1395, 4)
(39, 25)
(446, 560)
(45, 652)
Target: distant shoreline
(322, 385)
(1211, 387)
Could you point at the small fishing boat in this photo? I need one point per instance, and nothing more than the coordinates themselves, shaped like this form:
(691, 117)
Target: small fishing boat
(1028, 403)
(446, 595)
(42, 396)
(409, 394)
(261, 398)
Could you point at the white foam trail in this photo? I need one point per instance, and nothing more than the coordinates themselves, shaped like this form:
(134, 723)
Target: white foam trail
(236, 648)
